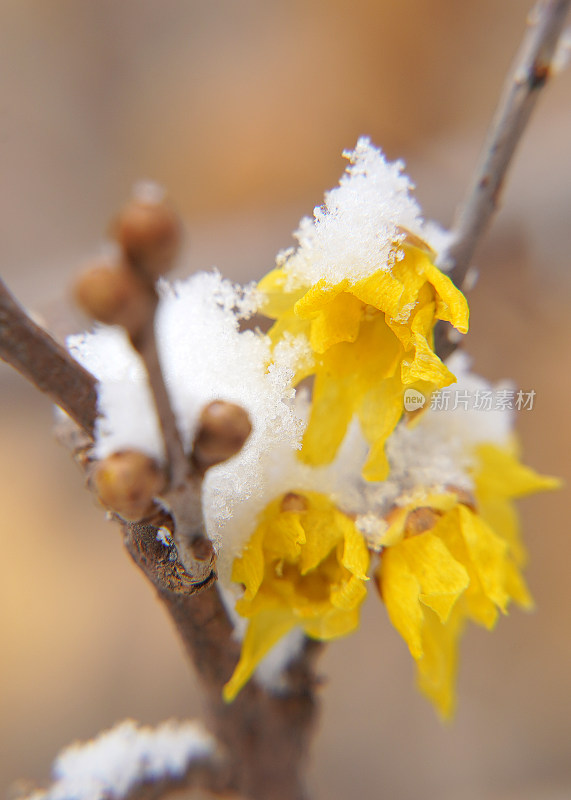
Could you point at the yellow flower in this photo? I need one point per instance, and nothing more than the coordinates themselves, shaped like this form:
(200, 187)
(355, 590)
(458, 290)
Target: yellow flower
(305, 565)
(371, 338)
(450, 559)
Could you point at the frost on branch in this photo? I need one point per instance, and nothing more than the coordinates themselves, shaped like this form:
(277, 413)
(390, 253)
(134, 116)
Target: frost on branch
(122, 759)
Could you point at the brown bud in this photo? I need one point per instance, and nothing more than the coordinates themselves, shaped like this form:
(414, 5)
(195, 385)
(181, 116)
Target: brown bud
(293, 502)
(222, 431)
(127, 482)
(464, 498)
(148, 231)
(112, 294)
(420, 520)
(412, 239)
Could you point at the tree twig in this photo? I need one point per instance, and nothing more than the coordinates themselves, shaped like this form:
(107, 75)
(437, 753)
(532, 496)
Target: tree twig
(529, 75)
(265, 735)
(146, 345)
(45, 363)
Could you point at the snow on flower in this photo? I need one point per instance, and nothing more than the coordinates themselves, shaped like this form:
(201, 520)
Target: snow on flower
(363, 288)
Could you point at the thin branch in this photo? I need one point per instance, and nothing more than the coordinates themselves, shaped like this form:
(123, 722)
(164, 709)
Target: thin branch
(183, 497)
(529, 75)
(146, 345)
(45, 363)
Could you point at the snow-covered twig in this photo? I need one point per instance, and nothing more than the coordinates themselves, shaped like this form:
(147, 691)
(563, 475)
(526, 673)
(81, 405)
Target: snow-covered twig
(131, 762)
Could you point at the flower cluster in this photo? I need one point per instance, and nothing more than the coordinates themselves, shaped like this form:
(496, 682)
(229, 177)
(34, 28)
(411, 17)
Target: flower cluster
(338, 484)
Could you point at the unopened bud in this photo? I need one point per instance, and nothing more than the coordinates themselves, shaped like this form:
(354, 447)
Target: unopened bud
(293, 502)
(112, 294)
(463, 497)
(127, 482)
(149, 231)
(420, 520)
(222, 431)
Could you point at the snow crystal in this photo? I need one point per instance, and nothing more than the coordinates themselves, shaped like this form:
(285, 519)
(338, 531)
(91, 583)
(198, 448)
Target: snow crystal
(118, 759)
(353, 234)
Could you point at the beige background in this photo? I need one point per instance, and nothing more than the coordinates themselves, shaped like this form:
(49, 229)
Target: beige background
(242, 110)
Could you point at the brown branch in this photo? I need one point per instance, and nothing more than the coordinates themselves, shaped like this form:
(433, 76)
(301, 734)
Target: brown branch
(265, 735)
(529, 74)
(185, 484)
(45, 363)
(146, 345)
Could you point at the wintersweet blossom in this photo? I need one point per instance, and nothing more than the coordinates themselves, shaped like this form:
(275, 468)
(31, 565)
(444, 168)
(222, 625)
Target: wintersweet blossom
(305, 565)
(451, 549)
(429, 498)
(363, 288)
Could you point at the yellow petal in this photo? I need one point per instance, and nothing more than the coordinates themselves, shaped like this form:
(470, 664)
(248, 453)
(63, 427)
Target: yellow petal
(277, 301)
(502, 517)
(440, 577)
(436, 671)
(379, 413)
(340, 322)
(355, 556)
(501, 473)
(385, 291)
(265, 629)
(395, 532)
(479, 607)
(451, 305)
(248, 569)
(488, 554)
(400, 591)
(348, 595)
(283, 535)
(333, 624)
(323, 534)
(317, 297)
(331, 411)
(516, 587)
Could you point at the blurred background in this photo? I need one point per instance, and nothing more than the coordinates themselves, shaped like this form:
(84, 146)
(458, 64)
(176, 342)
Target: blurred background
(242, 110)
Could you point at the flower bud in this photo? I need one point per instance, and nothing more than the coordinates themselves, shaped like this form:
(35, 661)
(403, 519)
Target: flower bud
(112, 294)
(222, 431)
(127, 482)
(293, 502)
(148, 231)
(420, 520)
